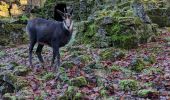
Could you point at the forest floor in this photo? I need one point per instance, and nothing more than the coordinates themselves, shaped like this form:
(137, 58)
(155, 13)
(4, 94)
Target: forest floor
(88, 73)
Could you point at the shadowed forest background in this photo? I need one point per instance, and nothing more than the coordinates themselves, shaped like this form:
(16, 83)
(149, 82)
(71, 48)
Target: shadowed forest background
(120, 50)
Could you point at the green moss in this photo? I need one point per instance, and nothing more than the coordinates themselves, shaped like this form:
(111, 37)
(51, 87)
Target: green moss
(2, 54)
(78, 96)
(8, 96)
(125, 41)
(124, 4)
(151, 59)
(71, 90)
(14, 64)
(156, 19)
(67, 64)
(85, 59)
(78, 81)
(167, 38)
(111, 54)
(125, 31)
(15, 32)
(2, 66)
(9, 77)
(115, 68)
(21, 83)
(151, 70)
(128, 85)
(62, 97)
(39, 98)
(148, 84)
(49, 76)
(91, 31)
(64, 77)
(25, 93)
(137, 65)
(21, 70)
(103, 93)
(145, 92)
(71, 93)
(13, 27)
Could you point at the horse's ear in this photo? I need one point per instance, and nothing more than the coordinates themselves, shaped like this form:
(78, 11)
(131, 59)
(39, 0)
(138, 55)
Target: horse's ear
(60, 12)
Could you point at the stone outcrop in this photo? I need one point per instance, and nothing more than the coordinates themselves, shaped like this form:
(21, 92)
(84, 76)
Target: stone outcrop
(125, 26)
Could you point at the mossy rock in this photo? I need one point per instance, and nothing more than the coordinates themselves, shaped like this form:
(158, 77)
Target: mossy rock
(25, 93)
(148, 84)
(13, 63)
(78, 96)
(128, 85)
(21, 83)
(111, 54)
(125, 71)
(151, 70)
(13, 34)
(62, 97)
(23, 55)
(8, 96)
(63, 75)
(39, 98)
(124, 4)
(85, 59)
(167, 39)
(2, 54)
(117, 33)
(78, 81)
(6, 87)
(8, 77)
(21, 70)
(71, 90)
(115, 68)
(129, 41)
(67, 64)
(17, 82)
(159, 16)
(13, 27)
(145, 93)
(2, 67)
(151, 59)
(137, 65)
(103, 93)
(70, 93)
